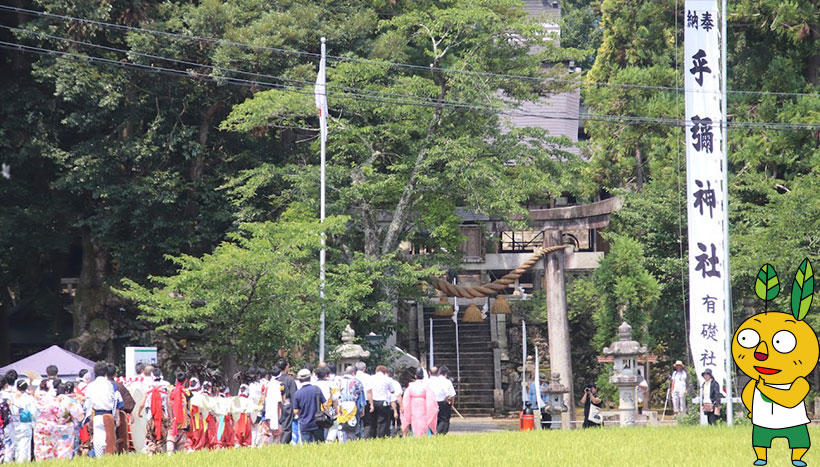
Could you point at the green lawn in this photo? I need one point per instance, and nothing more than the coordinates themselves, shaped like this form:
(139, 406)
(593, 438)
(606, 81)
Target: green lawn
(683, 446)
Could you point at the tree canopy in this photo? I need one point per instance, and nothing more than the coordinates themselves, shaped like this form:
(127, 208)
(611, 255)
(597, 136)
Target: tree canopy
(183, 170)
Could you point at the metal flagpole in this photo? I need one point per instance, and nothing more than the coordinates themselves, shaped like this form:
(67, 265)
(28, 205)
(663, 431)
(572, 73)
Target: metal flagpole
(322, 219)
(726, 284)
(431, 344)
(523, 364)
(458, 355)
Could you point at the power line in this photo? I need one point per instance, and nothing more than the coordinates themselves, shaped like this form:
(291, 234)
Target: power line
(364, 97)
(233, 70)
(380, 62)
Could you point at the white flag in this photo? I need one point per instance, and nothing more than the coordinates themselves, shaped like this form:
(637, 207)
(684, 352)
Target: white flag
(537, 380)
(455, 306)
(320, 94)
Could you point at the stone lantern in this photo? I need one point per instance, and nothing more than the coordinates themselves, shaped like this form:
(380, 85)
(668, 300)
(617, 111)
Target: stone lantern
(349, 353)
(555, 403)
(625, 353)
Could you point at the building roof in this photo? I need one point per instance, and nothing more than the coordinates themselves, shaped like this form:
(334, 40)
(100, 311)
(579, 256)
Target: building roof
(557, 113)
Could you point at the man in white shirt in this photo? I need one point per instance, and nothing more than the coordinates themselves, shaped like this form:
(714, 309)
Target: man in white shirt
(101, 403)
(381, 390)
(445, 395)
(678, 388)
(395, 399)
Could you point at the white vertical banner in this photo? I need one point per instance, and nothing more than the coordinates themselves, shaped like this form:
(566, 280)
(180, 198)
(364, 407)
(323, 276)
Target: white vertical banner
(705, 190)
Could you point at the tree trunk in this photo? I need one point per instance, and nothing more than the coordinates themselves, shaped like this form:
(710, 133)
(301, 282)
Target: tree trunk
(813, 61)
(92, 330)
(401, 212)
(640, 177)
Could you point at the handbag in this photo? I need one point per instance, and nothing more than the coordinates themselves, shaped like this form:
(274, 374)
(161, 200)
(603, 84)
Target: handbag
(595, 414)
(708, 407)
(322, 418)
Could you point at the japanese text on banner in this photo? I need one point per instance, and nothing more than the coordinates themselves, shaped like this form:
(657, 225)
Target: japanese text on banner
(704, 188)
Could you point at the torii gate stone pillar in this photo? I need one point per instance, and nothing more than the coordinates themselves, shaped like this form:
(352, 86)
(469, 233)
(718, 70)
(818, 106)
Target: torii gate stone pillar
(558, 321)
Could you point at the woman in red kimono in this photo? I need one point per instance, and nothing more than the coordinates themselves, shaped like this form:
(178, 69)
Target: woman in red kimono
(196, 430)
(224, 431)
(209, 439)
(242, 427)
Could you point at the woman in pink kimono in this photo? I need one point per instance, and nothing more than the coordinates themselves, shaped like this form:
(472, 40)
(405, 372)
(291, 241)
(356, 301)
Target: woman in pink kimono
(419, 409)
(69, 415)
(46, 423)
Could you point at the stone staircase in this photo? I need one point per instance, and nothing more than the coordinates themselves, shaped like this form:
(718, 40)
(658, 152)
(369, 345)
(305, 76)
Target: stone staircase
(475, 389)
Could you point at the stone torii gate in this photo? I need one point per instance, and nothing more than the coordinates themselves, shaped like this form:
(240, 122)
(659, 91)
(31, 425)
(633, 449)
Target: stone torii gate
(552, 222)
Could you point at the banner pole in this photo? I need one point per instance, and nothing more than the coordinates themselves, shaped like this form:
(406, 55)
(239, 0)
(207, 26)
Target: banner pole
(523, 364)
(322, 253)
(726, 279)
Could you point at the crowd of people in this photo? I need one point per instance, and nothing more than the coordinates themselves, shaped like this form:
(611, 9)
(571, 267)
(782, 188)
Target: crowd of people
(103, 414)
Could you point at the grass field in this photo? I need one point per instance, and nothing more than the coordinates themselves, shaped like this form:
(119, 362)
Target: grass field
(656, 446)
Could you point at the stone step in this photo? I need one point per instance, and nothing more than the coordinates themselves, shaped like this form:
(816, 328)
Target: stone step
(471, 412)
(466, 357)
(476, 390)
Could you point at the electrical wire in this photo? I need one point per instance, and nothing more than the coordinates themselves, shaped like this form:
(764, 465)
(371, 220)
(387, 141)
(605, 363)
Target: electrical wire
(360, 91)
(416, 102)
(377, 62)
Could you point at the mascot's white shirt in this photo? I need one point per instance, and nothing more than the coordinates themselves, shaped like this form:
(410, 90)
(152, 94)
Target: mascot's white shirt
(773, 415)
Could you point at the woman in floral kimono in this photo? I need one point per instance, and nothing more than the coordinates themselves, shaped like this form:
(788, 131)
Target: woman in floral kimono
(24, 413)
(5, 420)
(419, 409)
(46, 424)
(69, 415)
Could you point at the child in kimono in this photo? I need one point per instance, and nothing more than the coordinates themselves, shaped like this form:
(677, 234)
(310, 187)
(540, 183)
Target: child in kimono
(5, 420)
(243, 408)
(7, 391)
(70, 413)
(196, 429)
(24, 413)
(209, 437)
(222, 411)
(155, 407)
(46, 424)
(179, 410)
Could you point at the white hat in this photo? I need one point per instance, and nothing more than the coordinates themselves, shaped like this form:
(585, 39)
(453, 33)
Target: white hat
(678, 362)
(304, 374)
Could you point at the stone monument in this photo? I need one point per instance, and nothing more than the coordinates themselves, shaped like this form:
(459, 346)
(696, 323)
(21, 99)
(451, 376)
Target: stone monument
(625, 352)
(556, 406)
(349, 353)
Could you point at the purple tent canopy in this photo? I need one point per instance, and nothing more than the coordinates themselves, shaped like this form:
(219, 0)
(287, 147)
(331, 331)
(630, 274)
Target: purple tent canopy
(69, 364)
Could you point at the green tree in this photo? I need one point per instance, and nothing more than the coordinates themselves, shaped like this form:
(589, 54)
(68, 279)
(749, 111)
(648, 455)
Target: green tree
(400, 168)
(772, 46)
(627, 291)
(581, 27)
(256, 293)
